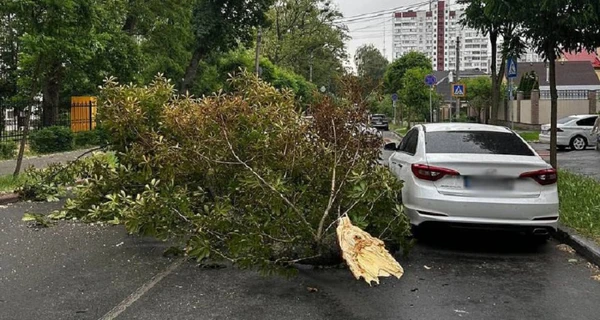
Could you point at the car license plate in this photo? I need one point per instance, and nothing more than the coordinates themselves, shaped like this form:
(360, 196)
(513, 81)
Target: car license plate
(488, 183)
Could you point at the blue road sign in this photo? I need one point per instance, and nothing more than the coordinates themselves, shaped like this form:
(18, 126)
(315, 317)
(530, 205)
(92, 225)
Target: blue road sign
(459, 90)
(511, 68)
(394, 97)
(430, 80)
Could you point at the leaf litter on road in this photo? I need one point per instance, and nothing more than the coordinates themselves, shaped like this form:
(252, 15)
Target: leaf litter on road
(565, 248)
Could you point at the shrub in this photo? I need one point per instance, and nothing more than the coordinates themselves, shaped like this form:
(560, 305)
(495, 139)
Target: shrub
(52, 139)
(239, 176)
(8, 149)
(90, 138)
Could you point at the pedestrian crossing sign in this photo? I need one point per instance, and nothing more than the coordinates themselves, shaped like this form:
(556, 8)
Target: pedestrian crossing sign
(459, 90)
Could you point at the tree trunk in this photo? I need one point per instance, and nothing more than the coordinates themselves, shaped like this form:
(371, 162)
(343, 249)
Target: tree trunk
(31, 101)
(553, 106)
(51, 95)
(495, 78)
(191, 70)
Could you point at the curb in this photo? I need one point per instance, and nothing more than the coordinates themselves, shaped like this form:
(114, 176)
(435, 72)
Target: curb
(583, 246)
(9, 198)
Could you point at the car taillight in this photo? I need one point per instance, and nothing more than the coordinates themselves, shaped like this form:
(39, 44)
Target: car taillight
(544, 177)
(425, 172)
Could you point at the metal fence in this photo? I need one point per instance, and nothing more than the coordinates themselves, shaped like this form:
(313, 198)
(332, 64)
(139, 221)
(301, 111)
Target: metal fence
(78, 117)
(566, 94)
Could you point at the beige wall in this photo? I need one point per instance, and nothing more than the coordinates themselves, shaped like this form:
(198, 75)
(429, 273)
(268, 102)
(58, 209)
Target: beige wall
(565, 108)
(501, 112)
(526, 111)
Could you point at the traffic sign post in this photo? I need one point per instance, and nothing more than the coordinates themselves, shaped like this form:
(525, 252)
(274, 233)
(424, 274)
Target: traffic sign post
(430, 80)
(511, 73)
(459, 90)
(394, 99)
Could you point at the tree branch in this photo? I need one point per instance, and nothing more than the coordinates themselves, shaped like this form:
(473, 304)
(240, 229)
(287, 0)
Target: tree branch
(259, 177)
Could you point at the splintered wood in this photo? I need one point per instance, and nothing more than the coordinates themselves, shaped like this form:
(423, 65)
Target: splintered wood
(365, 255)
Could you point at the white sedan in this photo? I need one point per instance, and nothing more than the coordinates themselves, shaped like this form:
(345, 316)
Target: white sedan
(572, 131)
(474, 175)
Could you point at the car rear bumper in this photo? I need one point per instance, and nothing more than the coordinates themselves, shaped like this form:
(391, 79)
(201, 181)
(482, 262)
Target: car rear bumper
(560, 140)
(541, 212)
(380, 125)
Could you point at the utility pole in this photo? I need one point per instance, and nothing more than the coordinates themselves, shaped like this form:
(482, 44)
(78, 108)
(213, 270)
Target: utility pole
(384, 37)
(257, 58)
(458, 72)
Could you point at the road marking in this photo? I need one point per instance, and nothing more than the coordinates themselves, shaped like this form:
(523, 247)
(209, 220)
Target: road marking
(132, 298)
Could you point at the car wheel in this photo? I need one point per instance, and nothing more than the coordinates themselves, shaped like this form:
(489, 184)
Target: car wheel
(578, 143)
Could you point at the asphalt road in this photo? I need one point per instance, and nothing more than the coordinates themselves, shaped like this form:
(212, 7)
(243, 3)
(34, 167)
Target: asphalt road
(585, 162)
(76, 271)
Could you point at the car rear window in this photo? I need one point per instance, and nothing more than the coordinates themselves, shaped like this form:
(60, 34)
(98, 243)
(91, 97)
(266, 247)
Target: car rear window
(565, 120)
(476, 142)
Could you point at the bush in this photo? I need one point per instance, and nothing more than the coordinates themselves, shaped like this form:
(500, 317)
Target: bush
(239, 176)
(52, 139)
(96, 137)
(8, 149)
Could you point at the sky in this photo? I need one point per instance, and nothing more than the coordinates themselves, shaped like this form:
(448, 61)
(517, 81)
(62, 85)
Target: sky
(370, 31)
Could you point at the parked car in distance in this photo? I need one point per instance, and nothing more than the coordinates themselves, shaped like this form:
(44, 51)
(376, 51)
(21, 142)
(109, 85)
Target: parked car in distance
(380, 121)
(572, 131)
(475, 176)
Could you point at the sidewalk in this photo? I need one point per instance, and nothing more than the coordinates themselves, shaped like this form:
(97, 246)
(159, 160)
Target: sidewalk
(8, 166)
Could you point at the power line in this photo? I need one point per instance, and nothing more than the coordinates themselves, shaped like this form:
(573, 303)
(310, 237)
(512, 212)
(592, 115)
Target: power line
(375, 14)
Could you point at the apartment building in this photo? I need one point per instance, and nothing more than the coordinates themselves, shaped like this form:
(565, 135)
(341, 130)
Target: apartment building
(434, 31)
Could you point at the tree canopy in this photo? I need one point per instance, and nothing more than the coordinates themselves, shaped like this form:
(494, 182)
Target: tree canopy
(303, 33)
(370, 66)
(393, 78)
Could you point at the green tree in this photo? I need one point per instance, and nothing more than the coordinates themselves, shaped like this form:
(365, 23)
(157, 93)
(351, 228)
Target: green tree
(414, 95)
(554, 27)
(370, 66)
(303, 35)
(55, 36)
(496, 19)
(222, 25)
(479, 94)
(393, 78)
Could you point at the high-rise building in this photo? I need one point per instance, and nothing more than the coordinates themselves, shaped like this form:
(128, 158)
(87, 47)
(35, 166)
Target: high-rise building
(434, 32)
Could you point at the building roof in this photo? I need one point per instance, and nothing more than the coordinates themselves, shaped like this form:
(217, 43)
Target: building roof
(583, 56)
(568, 73)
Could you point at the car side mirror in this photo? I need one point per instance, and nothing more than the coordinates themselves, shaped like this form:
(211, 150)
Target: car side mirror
(390, 146)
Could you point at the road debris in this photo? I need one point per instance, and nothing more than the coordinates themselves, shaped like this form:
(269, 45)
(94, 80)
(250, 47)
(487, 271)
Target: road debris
(365, 255)
(565, 248)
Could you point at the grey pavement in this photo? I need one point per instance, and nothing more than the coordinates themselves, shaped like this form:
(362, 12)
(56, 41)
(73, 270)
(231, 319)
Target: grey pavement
(8, 166)
(76, 271)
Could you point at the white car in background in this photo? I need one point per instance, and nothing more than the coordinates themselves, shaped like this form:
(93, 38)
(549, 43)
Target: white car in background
(572, 131)
(475, 176)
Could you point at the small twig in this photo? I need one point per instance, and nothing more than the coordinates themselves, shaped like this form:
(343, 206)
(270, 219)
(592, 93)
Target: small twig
(333, 193)
(388, 226)
(70, 163)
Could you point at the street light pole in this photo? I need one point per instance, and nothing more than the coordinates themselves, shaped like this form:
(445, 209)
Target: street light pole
(430, 105)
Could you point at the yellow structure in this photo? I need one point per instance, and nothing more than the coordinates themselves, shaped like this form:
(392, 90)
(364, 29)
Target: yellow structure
(83, 113)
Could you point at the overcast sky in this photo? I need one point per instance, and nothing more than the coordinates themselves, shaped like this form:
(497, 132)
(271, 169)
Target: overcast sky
(370, 31)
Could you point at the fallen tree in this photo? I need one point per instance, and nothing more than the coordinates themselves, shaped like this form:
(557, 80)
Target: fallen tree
(240, 176)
